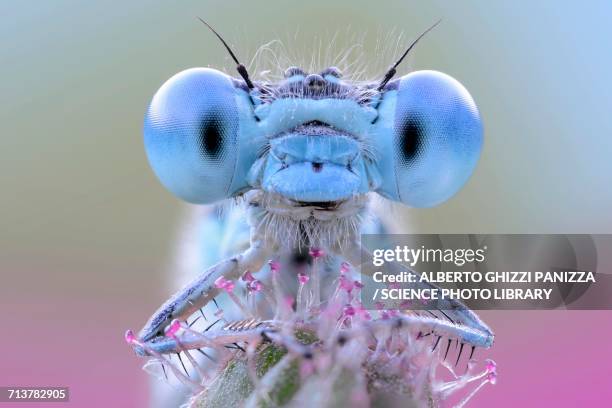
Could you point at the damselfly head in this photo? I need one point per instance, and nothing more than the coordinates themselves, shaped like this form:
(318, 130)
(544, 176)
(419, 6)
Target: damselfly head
(313, 137)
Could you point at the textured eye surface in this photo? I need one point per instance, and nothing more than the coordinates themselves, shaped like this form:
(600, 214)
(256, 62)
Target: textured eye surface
(437, 138)
(190, 135)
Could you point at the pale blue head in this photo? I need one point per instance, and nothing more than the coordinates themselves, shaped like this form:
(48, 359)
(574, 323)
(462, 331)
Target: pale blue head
(312, 137)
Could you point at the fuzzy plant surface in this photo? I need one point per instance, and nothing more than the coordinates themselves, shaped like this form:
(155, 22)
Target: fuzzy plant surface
(313, 346)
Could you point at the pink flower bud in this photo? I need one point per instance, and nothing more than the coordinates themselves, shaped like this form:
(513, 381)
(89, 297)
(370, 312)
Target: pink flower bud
(345, 284)
(274, 266)
(406, 304)
(255, 285)
(302, 278)
(130, 337)
(220, 282)
(316, 252)
(225, 284)
(289, 301)
(173, 328)
(349, 310)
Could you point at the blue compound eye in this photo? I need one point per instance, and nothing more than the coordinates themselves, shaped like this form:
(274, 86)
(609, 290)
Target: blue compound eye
(190, 135)
(435, 140)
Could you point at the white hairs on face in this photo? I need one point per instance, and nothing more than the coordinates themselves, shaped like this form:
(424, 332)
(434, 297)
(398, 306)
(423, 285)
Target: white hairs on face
(310, 232)
(306, 226)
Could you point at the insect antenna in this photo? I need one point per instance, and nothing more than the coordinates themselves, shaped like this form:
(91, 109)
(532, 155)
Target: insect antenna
(393, 70)
(239, 67)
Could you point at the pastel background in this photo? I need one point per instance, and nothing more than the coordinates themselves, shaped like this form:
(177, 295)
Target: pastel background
(86, 231)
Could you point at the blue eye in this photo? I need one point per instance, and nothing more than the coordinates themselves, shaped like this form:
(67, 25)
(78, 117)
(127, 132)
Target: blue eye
(191, 135)
(435, 139)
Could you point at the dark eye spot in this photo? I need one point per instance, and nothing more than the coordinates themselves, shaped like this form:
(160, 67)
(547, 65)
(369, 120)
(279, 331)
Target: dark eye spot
(211, 137)
(411, 134)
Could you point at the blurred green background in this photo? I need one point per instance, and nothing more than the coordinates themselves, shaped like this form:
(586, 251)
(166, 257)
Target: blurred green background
(86, 230)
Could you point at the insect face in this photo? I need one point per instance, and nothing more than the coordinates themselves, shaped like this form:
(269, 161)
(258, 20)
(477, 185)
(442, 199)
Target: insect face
(316, 148)
(315, 163)
(313, 137)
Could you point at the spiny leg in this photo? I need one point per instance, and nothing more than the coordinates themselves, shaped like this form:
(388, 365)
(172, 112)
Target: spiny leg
(203, 289)
(455, 311)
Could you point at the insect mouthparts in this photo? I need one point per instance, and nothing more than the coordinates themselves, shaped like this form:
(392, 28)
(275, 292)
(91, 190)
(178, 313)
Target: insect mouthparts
(316, 123)
(317, 128)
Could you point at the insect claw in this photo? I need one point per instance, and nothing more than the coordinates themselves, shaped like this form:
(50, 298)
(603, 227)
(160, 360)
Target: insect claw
(215, 302)
(472, 353)
(203, 315)
(239, 347)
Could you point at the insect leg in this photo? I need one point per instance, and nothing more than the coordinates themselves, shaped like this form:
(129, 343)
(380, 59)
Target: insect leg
(455, 311)
(202, 290)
